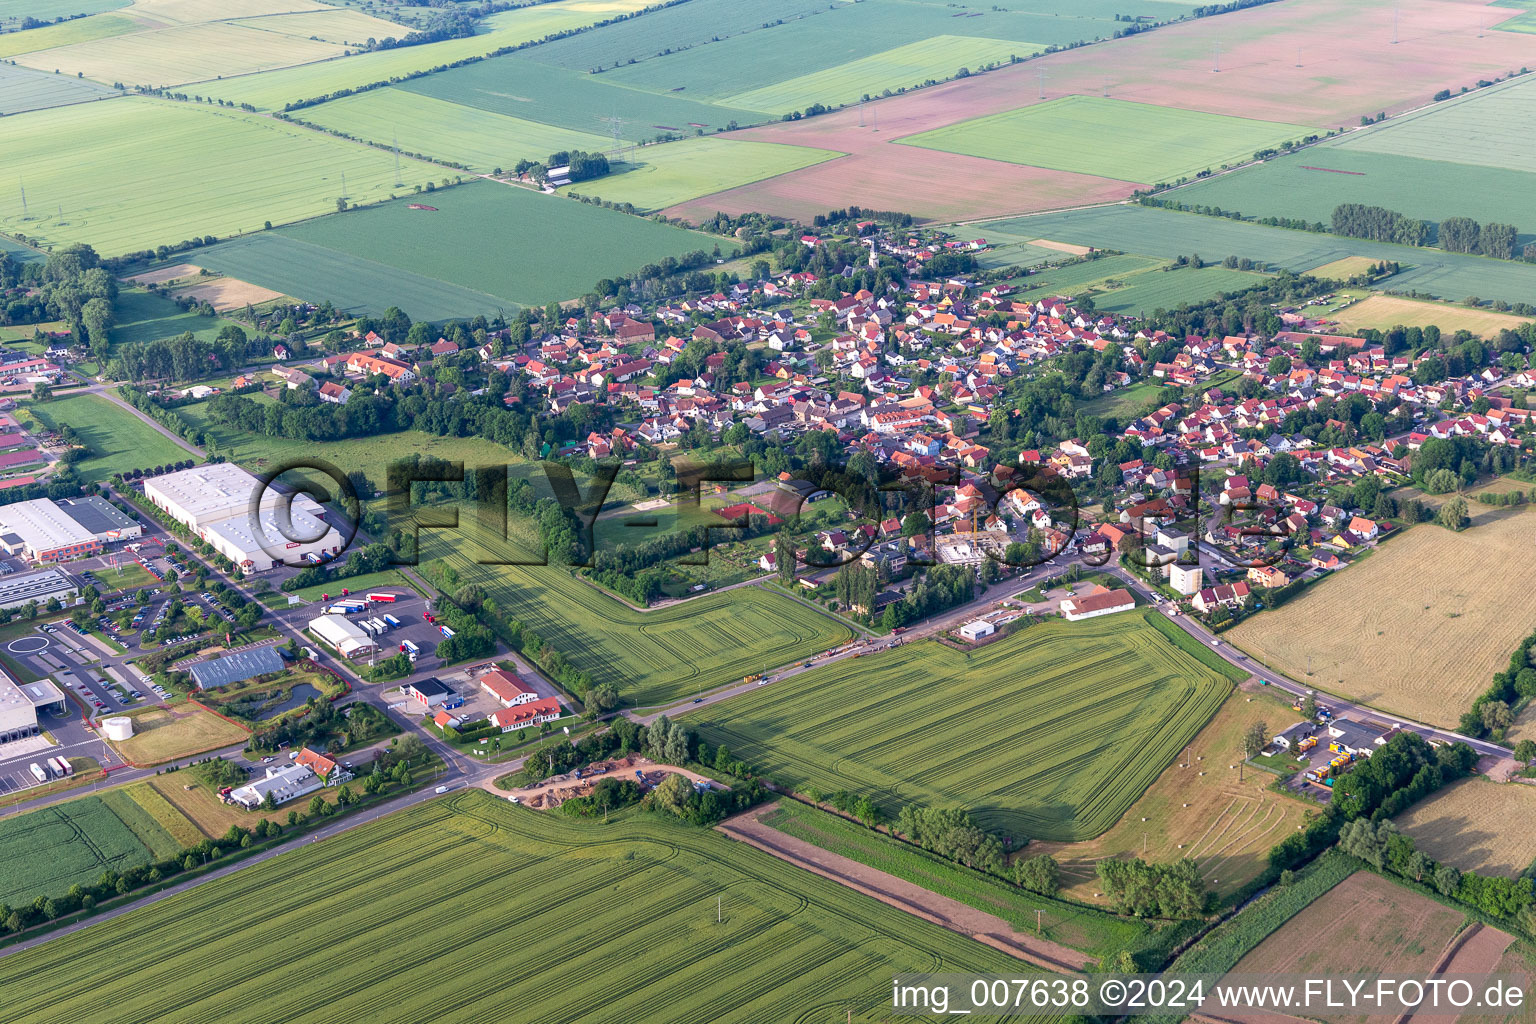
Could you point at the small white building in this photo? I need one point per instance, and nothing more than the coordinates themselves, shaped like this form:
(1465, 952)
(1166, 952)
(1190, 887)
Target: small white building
(1186, 579)
(977, 629)
(1091, 606)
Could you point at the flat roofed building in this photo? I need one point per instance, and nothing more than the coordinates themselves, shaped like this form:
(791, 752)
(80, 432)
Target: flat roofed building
(342, 634)
(19, 588)
(215, 502)
(18, 715)
(285, 783)
(44, 530)
(233, 668)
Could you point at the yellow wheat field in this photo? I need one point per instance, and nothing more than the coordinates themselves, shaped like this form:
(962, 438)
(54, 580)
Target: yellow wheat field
(1477, 825)
(1419, 627)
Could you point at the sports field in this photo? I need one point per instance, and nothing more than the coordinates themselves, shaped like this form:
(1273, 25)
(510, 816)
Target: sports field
(1435, 629)
(447, 131)
(1167, 233)
(516, 244)
(639, 898)
(118, 438)
(154, 194)
(679, 171)
(656, 656)
(44, 852)
(519, 87)
(161, 735)
(352, 283)
(1309, 184)
(1470, 824)
(902, 67)
(1198, 809)
(1151, 143)
(27, 89)
(1384, 312)
(1049, 734)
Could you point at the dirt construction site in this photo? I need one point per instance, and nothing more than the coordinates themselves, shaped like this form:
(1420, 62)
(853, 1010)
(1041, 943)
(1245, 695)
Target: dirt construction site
(557, 789)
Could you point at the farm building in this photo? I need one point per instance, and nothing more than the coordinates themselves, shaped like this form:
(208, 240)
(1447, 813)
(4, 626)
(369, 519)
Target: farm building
(977, 629)
(233, 668)
(44, 530)
(507, 688)
(214, 501)
(347, 637)
(1099, 602)
(1185, 579)
(286, 782)
(523, 715)
(38, 587)
(432, 693)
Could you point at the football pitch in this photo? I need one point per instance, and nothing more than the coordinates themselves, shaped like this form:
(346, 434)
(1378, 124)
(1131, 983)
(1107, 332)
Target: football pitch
(1051, 733)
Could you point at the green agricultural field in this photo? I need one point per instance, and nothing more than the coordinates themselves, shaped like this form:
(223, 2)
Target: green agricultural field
(145, 316)
(845, 34)
(638, 899)
(680, 27)
(519, 87)
(1169, 289)
(117, 437)
(1298, 186)
(1073, 278)
(1167, 233)
(655, 656)
(16, 251)
(447, 131)
(153, 195)
(44, 852)
(356, 284)
(47, 10)
(1481, 128)
(519, 245)
(679, 171)
(893, 70)
(271, 90)
(27, 89)
(1051, 733)
(1151, 144)
(1071, 924)
(79, 30)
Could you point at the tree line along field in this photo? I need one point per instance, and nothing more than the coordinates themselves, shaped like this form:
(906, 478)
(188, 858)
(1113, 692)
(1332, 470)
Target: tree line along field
(44, 852)
(1309, 184)
(656, 656)
(1151, 143)
(1168, 233)
(1079, 719)
(118, 439)
(1472, 825)
(519, 245)
(272, 172)
(1198, 809)
(79, 30)
(637, 897)
(1435, 629)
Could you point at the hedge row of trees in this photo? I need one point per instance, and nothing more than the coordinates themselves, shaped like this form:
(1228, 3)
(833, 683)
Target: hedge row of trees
(1379, 224)
(1494, 710)
(1381, 845)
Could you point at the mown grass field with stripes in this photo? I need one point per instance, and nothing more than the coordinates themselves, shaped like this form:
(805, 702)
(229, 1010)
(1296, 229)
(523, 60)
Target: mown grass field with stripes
(1051, 733)
(612, 923)
(44, 852)
(655, 656)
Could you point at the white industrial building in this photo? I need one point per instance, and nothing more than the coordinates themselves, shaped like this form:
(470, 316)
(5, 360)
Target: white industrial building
(214, 501)
(44, 530)
(18, 707)
(37, 587)
(285, 783)
(977, 629)
(343, 634)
